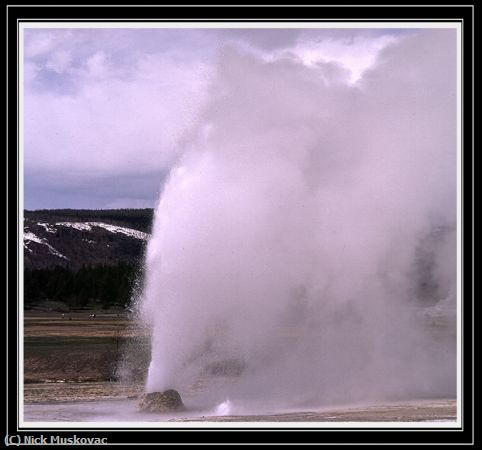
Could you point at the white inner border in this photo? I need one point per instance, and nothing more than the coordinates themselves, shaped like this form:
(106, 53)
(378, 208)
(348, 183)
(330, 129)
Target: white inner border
(259, 24)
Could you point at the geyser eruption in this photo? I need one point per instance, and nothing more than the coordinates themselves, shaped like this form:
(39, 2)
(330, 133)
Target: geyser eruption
(291, 238)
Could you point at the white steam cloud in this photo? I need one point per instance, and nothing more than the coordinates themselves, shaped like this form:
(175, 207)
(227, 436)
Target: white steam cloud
(307, 224)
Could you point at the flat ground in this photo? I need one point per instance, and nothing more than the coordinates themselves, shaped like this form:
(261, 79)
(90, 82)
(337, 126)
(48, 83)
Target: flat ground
(79, 324)
(441, 410)
(77, 348)
(103, 406)
(73, 360)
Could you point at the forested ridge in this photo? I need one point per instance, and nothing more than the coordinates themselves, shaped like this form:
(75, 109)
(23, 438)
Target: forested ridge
(140, 219)
(82, 258)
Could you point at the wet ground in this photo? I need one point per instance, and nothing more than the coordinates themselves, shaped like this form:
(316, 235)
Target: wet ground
(117, 402)
(415, 411)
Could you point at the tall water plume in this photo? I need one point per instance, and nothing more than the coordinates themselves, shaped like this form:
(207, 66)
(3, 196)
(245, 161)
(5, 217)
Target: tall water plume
(292, 235)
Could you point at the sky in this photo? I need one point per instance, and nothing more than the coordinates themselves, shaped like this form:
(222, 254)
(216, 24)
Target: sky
(106, 111)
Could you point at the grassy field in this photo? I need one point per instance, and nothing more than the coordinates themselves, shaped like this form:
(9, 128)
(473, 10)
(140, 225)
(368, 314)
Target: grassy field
(75, 347)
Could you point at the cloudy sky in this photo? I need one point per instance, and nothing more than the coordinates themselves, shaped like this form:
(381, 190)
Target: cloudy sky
(106, 110)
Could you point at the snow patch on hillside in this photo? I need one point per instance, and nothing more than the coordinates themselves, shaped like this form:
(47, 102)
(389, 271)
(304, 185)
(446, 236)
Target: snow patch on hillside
(87, 226)
(76, 225)
(47, 227)
(30, 237)
(116, 229)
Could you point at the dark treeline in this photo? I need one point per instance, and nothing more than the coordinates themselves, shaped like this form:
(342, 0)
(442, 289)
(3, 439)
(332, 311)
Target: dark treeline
(140, 219)
(100, 285)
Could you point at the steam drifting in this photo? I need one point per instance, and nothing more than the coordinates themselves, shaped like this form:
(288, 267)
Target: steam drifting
(308, 230)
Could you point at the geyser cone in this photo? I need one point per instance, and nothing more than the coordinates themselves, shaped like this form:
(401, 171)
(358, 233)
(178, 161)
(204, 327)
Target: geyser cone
(166, 401)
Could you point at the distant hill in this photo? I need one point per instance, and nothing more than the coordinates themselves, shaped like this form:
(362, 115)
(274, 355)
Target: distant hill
(139, 219)
(84, 257)
(75, 238)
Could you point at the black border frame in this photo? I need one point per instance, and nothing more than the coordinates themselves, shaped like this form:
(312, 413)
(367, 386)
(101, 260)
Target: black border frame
(312, 13)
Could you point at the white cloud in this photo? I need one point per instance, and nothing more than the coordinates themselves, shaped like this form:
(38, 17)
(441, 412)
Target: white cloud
(111, 124)
(38, 44)
(357, 54)
(30, 71)
(118, 101)
(59, 62)
(97, 65)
